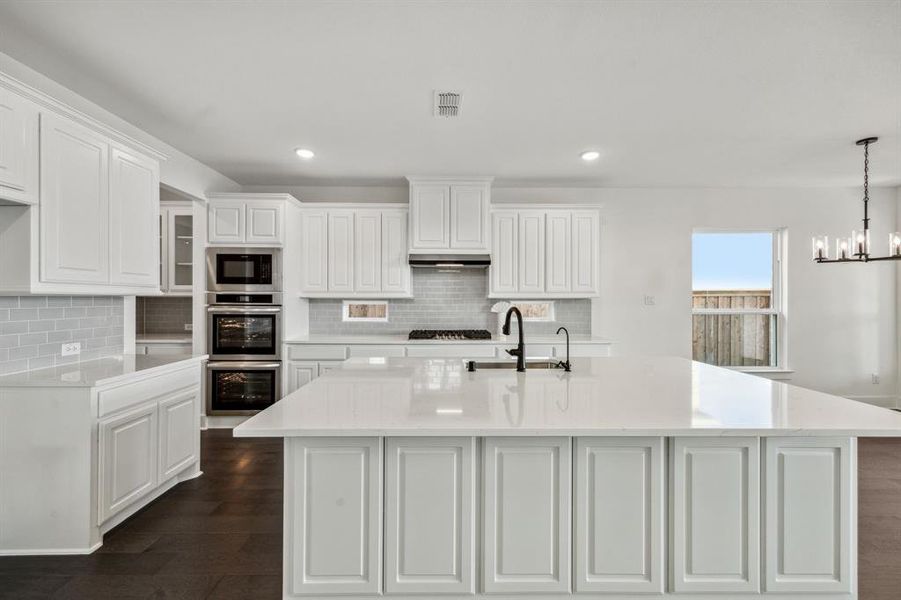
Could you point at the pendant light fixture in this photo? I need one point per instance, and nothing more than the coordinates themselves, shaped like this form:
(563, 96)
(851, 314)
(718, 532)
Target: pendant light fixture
(857, 247)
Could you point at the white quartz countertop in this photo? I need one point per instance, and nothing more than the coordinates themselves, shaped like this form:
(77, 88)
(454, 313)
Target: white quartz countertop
(402, 339)
(163, 338)
(98, 372)
(602, 396)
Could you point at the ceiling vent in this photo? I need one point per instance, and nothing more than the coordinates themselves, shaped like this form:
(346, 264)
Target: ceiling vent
(448, 104)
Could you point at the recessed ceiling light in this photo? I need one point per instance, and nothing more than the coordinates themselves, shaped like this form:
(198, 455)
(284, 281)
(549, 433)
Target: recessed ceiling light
(304, 153)
(590, 155)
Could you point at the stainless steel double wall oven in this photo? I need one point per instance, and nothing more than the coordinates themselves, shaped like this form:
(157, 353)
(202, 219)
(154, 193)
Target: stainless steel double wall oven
(244, 312)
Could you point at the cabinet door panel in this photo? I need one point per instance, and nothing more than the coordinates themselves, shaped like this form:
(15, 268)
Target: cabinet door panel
(619, 515)
(585, 244)
(18, 148)
(504, 244)
(300, 374)
(367, 251)
(340, 251)
(264, 223)
(810, 489)
(179, 249)
(716, 528)
(429, 214)
(134, 219)
(531, 252)
(395, 263)
(179, 433)
(128, 458)
(227, 222)
(334, 544)
(558, 253)
(527, 515)
(429, 512)
(315, 256)
(468, 209)
(74, 214)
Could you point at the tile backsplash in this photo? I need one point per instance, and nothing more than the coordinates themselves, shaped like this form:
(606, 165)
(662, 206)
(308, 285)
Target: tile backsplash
(445, 301)
(33, 329)
(161, 314)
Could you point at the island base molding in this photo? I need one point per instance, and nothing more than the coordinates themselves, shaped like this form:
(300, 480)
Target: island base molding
(554, 517)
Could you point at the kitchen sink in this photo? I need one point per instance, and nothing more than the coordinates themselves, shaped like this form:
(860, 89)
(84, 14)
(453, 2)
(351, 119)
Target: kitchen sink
(535, 363)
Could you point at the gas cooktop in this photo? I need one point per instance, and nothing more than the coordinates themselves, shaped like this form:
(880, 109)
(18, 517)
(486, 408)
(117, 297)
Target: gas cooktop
(450, 334)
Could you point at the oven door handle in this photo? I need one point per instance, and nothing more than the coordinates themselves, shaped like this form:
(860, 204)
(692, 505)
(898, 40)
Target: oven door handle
(243, 309)
(243, 366)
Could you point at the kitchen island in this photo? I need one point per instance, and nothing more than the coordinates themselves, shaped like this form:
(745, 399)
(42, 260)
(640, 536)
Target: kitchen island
(628, 477)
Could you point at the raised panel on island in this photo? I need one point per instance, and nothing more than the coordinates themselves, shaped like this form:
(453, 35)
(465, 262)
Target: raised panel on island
(334, 536)
(716, 515)
(618, 524)
(526, 532)
(430, 510)
(128, 458)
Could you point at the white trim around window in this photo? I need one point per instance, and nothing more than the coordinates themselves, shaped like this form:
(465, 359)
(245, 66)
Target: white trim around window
(371, 307)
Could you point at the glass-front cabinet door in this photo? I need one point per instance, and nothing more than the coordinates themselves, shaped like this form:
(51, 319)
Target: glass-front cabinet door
(179, 252)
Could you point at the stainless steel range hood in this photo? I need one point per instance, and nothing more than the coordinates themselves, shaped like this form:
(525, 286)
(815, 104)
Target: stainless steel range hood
(451, 261)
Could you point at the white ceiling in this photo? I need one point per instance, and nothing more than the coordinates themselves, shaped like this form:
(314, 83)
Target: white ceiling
(711, 94)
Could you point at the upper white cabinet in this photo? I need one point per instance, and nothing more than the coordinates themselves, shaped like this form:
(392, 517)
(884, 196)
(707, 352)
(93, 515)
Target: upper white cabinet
(544, 253)
(247, 219)
(79, 203)
(355, 252)
(176, 248)
(18, 148)
(450, 215)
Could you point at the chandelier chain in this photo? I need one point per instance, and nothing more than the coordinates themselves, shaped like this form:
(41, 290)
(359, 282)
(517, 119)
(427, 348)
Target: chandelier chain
(866, 171)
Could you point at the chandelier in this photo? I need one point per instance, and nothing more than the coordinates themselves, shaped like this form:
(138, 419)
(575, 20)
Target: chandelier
(857, 247)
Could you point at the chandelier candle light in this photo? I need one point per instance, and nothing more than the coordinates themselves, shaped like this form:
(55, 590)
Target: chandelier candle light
(857, 247)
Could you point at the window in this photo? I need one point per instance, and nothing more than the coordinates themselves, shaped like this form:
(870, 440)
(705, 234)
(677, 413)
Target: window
(737, 317)
(536, 310)
(372, 311)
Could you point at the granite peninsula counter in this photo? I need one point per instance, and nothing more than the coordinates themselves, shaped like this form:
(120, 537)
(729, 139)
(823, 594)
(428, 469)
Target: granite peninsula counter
(626, 477)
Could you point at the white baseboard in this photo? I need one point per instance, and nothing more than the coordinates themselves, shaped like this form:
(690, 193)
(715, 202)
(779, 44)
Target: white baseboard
(50, 552)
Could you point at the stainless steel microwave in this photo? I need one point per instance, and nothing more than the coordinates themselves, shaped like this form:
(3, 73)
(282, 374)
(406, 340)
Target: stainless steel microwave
(244, 269)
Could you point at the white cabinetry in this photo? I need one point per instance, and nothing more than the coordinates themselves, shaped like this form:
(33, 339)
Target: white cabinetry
(18, 148)
(619, 545)
(128, 458)
(449, 215)
(526, 545)
(716, 507)
(355, 252)
(430, 515)
(810, 490)
(335, 529)
(544, 253)
(134, 219)
(179, 442)
(247, 219)
(176, 248)
(75, 203)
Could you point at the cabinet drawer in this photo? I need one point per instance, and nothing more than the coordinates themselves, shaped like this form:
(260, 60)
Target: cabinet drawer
(124, 396)
(368, 350)
(316, 352)
(452, 351)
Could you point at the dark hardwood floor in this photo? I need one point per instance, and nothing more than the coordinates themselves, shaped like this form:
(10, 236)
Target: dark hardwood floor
(218, 536)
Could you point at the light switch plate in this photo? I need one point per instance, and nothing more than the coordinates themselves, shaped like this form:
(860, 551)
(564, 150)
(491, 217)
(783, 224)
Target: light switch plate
(70, 348)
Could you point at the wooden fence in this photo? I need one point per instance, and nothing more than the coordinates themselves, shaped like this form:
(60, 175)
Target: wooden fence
(733, 339)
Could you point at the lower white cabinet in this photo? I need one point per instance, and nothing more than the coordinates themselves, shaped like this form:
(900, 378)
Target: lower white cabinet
(810, 491)
(145, 446)
(716, 509)
(300, 373)
(526, 533)
(619, 507)
(128, 458)
(335, 529)
(430, 509)
(179, 443)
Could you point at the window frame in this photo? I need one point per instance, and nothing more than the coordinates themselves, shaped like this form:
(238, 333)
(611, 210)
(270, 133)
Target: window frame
(345, 312)
(552, 310)
(777, 300)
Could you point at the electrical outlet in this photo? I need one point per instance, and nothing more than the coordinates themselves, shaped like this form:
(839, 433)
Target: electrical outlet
(874, 378)
(189, 327)
(650, 301)
(71, 348)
